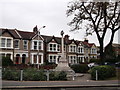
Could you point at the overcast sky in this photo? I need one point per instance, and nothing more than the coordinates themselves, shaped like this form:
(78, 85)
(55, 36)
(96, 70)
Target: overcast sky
(26, 14)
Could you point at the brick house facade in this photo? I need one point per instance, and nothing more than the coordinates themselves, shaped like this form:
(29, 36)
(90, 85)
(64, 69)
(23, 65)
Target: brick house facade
(31, 47)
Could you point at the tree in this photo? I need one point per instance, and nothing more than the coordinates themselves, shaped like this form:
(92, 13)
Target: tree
(6, 61)
(98, 17)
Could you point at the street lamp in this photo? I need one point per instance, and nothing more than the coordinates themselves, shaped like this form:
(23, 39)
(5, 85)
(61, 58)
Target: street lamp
(38, 44)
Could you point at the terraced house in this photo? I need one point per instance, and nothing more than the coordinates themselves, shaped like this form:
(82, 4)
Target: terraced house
(24, 47)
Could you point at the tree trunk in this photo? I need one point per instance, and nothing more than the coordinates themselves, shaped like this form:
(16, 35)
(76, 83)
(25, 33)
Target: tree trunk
(112, 37)
(101, 51)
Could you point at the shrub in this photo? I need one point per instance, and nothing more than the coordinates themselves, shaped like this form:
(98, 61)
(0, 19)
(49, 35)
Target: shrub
(94, 60)
(9, 74)
(48, 66)
(57, 76)
(104, 72)
(29, 74)
(80, 68)
(32, 74)
(6, 61)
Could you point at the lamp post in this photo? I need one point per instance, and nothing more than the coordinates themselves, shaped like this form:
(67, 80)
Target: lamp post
(38, 45)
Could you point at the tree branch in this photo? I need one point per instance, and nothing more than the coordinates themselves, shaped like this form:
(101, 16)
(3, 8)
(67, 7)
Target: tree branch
(116, 4)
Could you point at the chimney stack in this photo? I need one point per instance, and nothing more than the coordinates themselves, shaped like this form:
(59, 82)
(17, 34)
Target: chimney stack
(86, 40)
(66, 37)
(35, 29)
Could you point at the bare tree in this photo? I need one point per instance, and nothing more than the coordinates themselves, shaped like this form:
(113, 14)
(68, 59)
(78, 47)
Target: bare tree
(98, 17)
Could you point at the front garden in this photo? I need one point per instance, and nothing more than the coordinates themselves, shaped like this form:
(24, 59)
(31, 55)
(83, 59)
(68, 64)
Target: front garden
(31, 73)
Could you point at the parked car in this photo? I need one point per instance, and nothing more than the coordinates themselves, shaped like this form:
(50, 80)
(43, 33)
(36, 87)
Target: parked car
(107, 63)
(90, 65)
(117, 64)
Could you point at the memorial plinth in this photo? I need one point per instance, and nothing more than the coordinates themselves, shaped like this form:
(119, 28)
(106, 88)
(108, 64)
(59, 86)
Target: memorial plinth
(63, 62)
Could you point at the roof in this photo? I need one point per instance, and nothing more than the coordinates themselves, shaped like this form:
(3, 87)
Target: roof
(18, 34)
(116, 45)
(88, 44)
(11, 32)
(26, 34)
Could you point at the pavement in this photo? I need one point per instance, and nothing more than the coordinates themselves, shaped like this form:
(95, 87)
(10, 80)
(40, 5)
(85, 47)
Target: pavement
(83, 77)
(82, 81)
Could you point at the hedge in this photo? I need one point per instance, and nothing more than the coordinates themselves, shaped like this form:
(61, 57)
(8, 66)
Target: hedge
(32, 74)
(80, 68)
(58, 76)
(104, 72)
(9, 74)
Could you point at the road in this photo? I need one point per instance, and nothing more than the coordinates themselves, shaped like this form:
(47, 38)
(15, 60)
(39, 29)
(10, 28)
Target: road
(58, 84)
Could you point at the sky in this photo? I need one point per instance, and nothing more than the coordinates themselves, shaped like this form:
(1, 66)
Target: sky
(26, 14)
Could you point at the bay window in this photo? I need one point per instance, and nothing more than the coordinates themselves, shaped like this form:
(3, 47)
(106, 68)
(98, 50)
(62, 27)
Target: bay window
(80, 50)
(54, 47)
(37, 45)
(72, 48)
(3, 42)
(52, 58)
(93, 51)
(72, 59)
(6, 42)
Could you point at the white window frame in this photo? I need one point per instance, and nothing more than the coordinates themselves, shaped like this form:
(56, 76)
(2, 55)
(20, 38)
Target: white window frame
(81, 58)
(53, 60)
(32, 58)
(80, 49)
(72, 59)
(93, 51)
(26, 45)
(73, 48)
(6, 38)
(37, 44)
(53, 49)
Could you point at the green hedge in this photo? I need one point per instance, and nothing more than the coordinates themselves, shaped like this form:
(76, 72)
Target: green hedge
(32, 74)
(9, 74)
(28, 74)
(80, 68)
(58, 76)
(104, 72)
